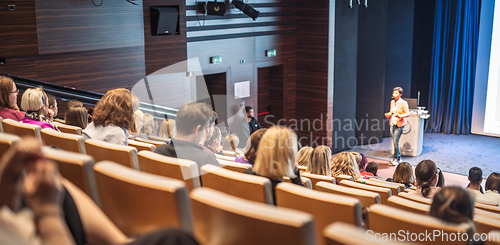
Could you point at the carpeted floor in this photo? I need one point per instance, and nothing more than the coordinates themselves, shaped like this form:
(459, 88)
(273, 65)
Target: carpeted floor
(452, 153)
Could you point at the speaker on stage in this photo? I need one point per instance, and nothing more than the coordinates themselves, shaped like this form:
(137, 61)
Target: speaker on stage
(164, 20)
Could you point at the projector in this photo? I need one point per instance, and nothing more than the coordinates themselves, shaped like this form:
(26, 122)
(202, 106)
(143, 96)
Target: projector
(215, 8)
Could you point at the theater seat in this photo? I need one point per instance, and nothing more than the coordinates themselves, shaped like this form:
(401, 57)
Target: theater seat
(415, 198)
(226, 158)
(21, 129)
(139, 202)
(102, 151)
(65, 141)
(341, 177)
(302, 169)
(395, 190)
(152, 142)
(156, 138)
(170, 167)
(1, 125)
(247, 186)
(315, 178)
(385, 219)
(141, 146)
(222, 219)
(408, 205)
(325, 207)
(229, 153)
(485, 224)
(340, 233)
(234, 166)
(495, 235)
(305, 181)
(6, 141)
(69, 129)
(76, 167)
(384, 193)
(366, 198)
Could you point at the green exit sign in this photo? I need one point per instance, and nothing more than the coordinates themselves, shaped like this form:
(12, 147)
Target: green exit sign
(271, 53)
(215, 60)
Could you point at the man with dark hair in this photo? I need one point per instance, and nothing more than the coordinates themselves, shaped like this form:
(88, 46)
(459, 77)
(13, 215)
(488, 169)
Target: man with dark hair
(475, 178)
(52, 107)
(398, 114)
(193, 123)
(253, 125)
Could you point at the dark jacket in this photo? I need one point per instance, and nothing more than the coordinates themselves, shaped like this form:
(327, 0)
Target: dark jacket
(253, 125)
(187, 150)
(274, 183)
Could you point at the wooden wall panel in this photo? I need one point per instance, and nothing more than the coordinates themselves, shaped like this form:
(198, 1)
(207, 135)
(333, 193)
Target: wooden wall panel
(164, 50)
(18, 36)
(69, 26)
(20, 66)
(97, 70)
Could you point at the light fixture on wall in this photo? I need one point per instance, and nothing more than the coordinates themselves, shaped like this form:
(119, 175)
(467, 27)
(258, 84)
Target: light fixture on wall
(247, 9)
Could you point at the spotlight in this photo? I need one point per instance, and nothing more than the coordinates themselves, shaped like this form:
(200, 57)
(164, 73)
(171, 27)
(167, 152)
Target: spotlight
(247, 9)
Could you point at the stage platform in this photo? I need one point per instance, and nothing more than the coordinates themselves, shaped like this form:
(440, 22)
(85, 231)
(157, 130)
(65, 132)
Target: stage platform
(452, 153)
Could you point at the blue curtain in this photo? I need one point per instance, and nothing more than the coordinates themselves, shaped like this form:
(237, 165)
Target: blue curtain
(456, 32)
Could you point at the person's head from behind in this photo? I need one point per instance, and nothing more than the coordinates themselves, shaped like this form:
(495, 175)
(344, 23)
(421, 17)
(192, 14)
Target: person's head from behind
(35, 100)
(230, 142)
(136, 102)
(53, 105)
(304, 156)
(493, 182)
(321, 158)
(215, 140)
(276, 153)
(73, 103)
(452, 205)
(372, 167)
(403, 174)
(149, 124)
(193, 121)
(253, 145)
(397, 92)
(426, 174)
(344, 163)
(249, 111)
(475, 176)
(167, 129)
(76, 116)
(361, 160)
(115, 107)
(8, 93)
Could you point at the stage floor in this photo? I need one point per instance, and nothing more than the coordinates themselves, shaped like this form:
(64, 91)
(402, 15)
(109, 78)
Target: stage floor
(452, 153)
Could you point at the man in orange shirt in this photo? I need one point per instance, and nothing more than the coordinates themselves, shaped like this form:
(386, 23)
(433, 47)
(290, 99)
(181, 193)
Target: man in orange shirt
(398, 114)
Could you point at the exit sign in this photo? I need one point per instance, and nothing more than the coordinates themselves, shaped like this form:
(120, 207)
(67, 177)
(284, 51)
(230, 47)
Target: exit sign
(215, 60)
(271, 53)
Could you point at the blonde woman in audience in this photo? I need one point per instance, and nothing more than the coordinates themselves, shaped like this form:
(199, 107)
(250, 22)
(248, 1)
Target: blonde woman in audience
(8, 100)
(277, 155)
(403, 174)
(167, 129)
(230, 142)
(149, 125)
(36, 104)
(112, 117)
(344, 163)
(138, 114)
(492, 188)
(321, 158)
(427, 175)
(76, 116)
(304, 156)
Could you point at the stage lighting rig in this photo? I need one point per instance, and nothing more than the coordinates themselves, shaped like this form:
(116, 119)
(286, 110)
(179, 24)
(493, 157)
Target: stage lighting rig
(247, 9)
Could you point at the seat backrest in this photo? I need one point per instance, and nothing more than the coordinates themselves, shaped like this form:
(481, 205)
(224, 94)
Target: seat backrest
(341, 177)
(305, 181)
(302, 169)
(340, 233)
(394, 187)
(408, 205)
(65, 141)
(385, 219)
(401, 186)
(384, 193)
(141, 146)
(59, 120)
(153, 142)
(234, 166)
(487, 207)
(250, 187)
(230, 159)
(478, 211)
(69, 129)
(6, 141)
(21, 129)
(1, 126)
(315, 178)
(76, 167)
(416, 198)
(485, 224)
(152, 137)
(171, 167)
(493, 238)
(229, 153)
(102, 151)
(366, 198)
(325, 207)
(140, 202)
(227, 220)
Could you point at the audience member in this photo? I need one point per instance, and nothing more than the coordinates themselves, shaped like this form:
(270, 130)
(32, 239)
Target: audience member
(475, 179)
(304, 156)
(193, 123)
(372, 167)
(76, 116)
(230, 143)
(36, 105)
(453, 205)
(73, 103)
(492, 187)
(8, 100)
(52, 108)
(276, 159)
(167, 129)
(138, 114)
(209, 133)
(362, 161)
(251, 148)
(149, 125)
(90, 113)
(112, 117)
(321, 159)
(403, 175)
(426, 174)
(344, 163)
(253, 124)
(214, 143)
